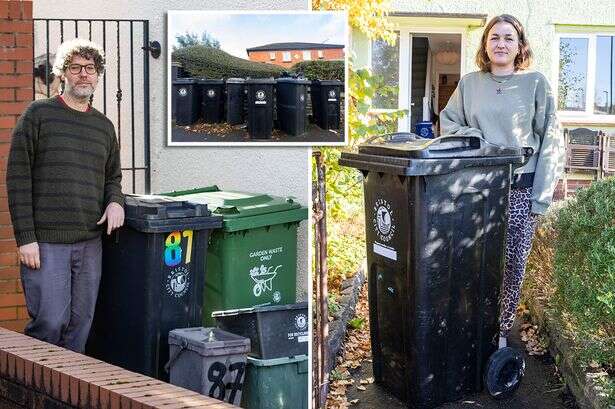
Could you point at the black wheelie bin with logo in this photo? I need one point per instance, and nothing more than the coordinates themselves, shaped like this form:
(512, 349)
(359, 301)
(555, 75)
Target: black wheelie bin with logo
(291, 104)
(185, 101)
(152, 282)
(260, 107)
(212, 100)
(435, 214)
(326, 103)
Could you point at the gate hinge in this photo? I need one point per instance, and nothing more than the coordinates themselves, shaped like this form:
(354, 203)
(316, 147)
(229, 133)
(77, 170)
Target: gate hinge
(154, 48)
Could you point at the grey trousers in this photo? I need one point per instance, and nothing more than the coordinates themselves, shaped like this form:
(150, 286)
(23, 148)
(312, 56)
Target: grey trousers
(61, 295)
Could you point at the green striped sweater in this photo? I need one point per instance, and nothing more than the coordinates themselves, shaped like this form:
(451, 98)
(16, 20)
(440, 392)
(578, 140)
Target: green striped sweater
(63, 170)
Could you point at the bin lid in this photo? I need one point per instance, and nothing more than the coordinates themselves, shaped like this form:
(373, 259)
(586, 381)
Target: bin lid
(408, 154)
(289, 80)
(260, 81)
(184, 81)
(327, 82)
(260, 309)
(209, 341)
(235, 80)
(243, 210)
(160, 214)
(409, 145)
(206, 81)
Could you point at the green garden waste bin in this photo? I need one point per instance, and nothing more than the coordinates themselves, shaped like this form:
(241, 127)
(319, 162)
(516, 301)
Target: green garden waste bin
(252, 260)
(280, 383)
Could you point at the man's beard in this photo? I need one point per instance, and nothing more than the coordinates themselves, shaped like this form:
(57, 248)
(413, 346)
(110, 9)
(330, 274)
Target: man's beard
(81, 92)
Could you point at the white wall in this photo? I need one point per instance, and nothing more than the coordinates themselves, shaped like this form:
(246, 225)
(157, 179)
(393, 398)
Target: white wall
(278, 171)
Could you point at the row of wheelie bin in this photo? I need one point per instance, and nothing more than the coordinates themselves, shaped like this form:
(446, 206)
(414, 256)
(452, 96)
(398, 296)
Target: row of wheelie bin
(199, 289)
(216, 101)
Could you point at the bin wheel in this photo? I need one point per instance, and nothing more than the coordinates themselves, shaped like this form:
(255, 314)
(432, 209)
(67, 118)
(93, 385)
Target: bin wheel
(504, 372)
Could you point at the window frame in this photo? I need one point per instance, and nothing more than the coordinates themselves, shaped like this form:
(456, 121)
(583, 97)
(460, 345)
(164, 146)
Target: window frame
(588, 115)
(308, 53)
(321, 54)
(272, 56)
(290, 56)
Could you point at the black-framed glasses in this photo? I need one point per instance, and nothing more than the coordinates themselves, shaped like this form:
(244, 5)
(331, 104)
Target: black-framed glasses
(76, 69)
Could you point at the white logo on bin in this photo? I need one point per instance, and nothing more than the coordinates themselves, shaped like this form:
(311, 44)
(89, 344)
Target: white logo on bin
(182, 92)
(383, 220)
(301, 97)
(263, 278)
(301, 321)
(178, 282)
(331, 94)
(277, 297)
(211, 93)
(260, 95)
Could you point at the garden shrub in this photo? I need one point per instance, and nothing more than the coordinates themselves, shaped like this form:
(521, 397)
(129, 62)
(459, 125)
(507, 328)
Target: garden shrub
(320, 70)
(584, 268)
(209, 62)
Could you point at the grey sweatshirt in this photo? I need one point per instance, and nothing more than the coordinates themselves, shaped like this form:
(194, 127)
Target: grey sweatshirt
(514, 110)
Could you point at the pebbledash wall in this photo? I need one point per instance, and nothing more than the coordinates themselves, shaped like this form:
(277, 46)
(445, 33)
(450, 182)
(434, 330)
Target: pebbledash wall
(282, 171)
(544, 21)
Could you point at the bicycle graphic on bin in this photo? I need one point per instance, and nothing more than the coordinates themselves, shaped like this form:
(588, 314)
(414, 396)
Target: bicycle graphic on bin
(263, 278)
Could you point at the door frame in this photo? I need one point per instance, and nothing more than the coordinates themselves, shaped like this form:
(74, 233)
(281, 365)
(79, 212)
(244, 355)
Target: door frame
(406, 31)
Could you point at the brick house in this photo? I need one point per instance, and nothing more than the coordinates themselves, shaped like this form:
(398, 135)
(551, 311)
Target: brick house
(288, 54)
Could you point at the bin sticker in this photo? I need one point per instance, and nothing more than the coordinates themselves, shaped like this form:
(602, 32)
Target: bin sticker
(301, 97)
(277, 296)
(178, 282)
(173, 249)
(260, 97)
(301, 323)
(183, 92)
(263, 278)
(211, 93)
(385, 251)
(332, 96)
(218, 373)
(383, 222)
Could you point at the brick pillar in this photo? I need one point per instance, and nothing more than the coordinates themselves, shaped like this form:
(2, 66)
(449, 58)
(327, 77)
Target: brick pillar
(16, 66)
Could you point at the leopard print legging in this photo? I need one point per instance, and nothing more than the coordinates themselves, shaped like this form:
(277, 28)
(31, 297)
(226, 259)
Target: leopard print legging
(520, 231)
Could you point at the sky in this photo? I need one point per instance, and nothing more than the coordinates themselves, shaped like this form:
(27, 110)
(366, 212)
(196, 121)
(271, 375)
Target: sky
(236, 32)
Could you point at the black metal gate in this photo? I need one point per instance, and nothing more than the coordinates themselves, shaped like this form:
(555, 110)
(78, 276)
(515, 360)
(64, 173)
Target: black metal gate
(123, 92)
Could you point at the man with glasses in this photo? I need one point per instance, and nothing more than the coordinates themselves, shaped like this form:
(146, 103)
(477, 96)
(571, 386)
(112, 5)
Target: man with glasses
(64, 183)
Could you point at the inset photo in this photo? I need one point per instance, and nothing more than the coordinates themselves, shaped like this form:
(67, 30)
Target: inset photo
(284, 83)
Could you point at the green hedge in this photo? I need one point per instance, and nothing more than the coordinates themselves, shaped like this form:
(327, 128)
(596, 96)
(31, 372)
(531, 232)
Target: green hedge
(208, 62)
(320, 70)
(584, 264)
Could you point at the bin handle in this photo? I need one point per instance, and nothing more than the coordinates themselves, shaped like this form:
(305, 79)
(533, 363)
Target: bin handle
(428, 141)
(173, 358)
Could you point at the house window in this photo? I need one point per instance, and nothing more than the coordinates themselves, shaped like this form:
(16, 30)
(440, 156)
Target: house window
(385, 63)
(572, 85)
(605, 76)
(321, 54)
(586, 80)
(286, 56)
(307, 55)
(272, 55)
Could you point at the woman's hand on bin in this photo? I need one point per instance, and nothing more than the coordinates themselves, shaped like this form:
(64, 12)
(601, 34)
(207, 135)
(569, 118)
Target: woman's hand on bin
(114, 215)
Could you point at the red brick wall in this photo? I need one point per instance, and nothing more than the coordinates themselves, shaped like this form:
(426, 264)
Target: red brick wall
(15, 94)
(295, 55)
